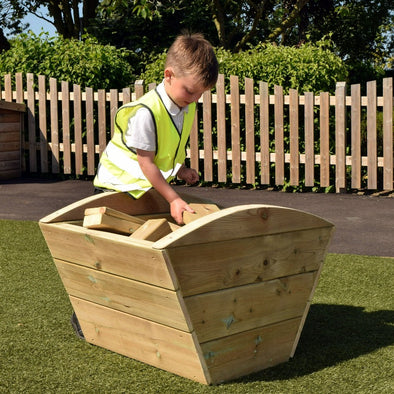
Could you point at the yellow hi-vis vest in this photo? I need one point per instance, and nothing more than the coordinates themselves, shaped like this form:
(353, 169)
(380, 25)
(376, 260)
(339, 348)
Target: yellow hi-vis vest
(119, 169)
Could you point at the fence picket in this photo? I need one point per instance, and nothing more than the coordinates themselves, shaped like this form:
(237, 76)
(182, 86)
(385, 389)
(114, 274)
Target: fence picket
(294, 137)
(309, 139)
(102, 128)
(207, 129)
(324, 139)
(65, 95)
(265, 176)
(42, 103)
(78, 129)
(53, 99)
(235, 130)
(279, 134)
(249, 131)
(356, 136)
(221, 129)
(371, 135)
(340, 136)
(90, 131)
(388, 134)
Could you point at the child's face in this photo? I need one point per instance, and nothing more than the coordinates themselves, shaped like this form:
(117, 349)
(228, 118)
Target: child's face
(182, 90)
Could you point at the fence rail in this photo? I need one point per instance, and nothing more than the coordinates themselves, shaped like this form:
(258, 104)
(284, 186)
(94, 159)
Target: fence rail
(341, 141)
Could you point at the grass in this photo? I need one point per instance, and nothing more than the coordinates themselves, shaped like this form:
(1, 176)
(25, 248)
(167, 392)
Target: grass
(346, 345)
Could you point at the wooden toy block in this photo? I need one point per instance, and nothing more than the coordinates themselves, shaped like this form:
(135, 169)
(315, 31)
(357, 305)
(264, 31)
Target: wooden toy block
(200, 211)
(152, 230)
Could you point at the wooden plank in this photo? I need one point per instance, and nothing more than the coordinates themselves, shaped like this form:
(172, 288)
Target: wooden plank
(53, 96)
(31, 122)
(11, 106)
(126, 95)
(235, 130)
(113, 212)
(78, 129)
(152, 230)
(388, 171)
(252, 351)
(66, 127)
(207, 130)
(340, 137)
(372, 136)
(324, 139)
(228, 312)
(193, 142)
(241, 222)
(8, 88)
(107, 219)
(19, 90)
(294, 138)
(139, 88)
(101, 121)
(309, 140)
(90, 131)
(202, 268)
(279, 137)
(200, 210)
(264, 135)
(114, 105)
(356, 136)
(42, 116)
(249, 131)
(109, 223)
(129, 296)
(106, 252)
(221, 129)
(163, 347)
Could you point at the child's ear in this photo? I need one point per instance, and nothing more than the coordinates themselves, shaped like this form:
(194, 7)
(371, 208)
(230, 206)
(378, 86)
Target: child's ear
(168, 74)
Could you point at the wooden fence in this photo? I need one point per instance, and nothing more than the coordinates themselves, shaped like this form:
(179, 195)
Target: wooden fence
(339, 141)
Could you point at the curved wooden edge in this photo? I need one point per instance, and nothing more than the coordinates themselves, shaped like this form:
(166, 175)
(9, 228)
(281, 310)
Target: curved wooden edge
(240, 222)
(150, 202)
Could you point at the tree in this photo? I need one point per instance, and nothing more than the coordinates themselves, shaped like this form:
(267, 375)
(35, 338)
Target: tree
(70, 17)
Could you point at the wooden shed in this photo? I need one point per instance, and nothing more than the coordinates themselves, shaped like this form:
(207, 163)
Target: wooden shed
(11, 126)
(221, 297)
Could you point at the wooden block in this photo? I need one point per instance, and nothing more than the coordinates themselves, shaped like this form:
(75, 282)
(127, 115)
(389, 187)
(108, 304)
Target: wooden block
(104, 218)
(152, 230)
(200, 210)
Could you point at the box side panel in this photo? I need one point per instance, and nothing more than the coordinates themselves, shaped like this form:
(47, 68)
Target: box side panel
(106, 252)
(163, 347)
(129, 296)
(251, 351)
(209, 267)
(227, 312)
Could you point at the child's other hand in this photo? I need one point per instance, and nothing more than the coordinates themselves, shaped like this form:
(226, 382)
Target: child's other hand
(189, 175)
(177, 207)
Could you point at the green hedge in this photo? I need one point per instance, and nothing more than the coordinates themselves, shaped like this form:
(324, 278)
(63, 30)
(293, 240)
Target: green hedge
(86, 63)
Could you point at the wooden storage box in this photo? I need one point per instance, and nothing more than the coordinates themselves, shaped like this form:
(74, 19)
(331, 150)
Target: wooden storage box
(216, 299)
(11, 125)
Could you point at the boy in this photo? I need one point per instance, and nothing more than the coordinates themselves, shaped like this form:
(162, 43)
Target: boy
(148, 147)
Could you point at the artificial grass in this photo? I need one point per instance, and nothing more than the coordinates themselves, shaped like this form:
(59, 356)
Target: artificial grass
(346, 345)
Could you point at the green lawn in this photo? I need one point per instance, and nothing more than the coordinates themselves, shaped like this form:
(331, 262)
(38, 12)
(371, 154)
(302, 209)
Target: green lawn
(346, 345)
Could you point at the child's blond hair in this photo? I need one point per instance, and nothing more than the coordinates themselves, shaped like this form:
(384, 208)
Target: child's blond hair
(192, 54)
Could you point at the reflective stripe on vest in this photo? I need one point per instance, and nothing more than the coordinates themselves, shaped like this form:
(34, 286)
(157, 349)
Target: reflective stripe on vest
(119, 169)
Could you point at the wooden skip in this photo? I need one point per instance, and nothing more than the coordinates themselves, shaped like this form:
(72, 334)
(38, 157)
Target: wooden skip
(200, 211)
(104, 218)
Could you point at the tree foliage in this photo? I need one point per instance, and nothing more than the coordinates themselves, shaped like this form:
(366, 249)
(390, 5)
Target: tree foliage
(86, 63)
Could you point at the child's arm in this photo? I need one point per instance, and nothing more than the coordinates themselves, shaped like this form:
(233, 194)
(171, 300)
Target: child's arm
(153, 174)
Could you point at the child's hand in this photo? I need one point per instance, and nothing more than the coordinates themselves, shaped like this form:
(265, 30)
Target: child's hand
(189, 175)
(177, 207)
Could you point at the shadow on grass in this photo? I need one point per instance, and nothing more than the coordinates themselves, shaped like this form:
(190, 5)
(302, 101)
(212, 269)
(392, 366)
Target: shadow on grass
(332, 334)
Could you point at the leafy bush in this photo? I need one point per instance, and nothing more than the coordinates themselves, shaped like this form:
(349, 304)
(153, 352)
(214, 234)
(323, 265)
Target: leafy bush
(309, 68)
(86, 63)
